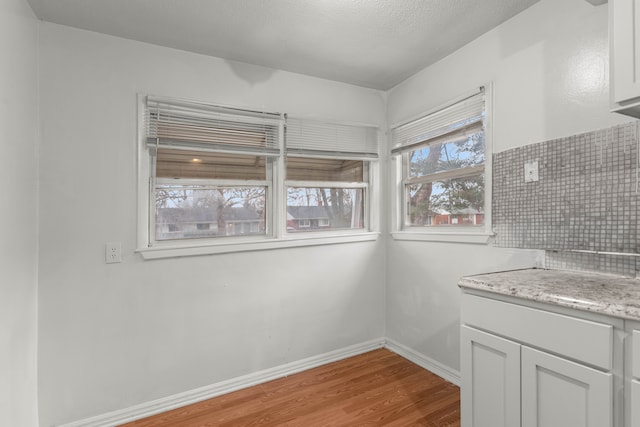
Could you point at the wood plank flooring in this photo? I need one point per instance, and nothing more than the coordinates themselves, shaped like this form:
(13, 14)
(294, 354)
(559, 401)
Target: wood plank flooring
(378, 388)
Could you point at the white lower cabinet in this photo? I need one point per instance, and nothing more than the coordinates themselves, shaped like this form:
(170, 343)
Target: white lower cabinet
(558, 392)
(506, 384)
(519, 368)
(635, 403)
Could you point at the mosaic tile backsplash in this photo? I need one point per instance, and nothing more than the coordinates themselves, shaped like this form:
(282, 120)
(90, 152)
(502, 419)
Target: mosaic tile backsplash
(583, 210)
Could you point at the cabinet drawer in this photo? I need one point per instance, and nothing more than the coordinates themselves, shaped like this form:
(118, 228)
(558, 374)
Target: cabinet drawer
(635, 354)
(578, 339)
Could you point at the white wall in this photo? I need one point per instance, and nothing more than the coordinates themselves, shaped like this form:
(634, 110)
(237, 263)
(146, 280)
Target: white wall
(112, 336)
(18, 214)
(549, 67)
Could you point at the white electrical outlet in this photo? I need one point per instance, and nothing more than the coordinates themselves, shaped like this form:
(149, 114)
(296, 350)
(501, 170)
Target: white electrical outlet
(531, 172)
(113, 253)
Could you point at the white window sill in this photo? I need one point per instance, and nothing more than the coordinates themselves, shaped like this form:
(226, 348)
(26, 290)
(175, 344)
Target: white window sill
(175, 251)
(479, 238)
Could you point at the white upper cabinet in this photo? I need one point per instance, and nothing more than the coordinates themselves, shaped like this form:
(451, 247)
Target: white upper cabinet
(624, 50)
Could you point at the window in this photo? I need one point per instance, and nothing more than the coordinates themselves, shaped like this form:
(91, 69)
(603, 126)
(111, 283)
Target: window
(328, 175)
(304, 223)
(441, 160)
(211, 170)
(219, 179)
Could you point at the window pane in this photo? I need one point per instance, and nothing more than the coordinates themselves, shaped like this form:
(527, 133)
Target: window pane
(448, 155)
(189, 212)
(334, 170)
(315, 209)
(452, 202)
(172, 163)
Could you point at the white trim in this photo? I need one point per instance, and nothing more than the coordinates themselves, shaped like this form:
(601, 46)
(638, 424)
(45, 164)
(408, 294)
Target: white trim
(423, 361)
(143, 178)
(158, 252)
(446, 237)
(488, 158)
(164, 404)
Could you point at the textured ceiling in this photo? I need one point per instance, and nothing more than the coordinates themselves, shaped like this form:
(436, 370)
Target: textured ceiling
(371, 43)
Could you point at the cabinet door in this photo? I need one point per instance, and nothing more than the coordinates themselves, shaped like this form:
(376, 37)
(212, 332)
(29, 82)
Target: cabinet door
(557, 392)
(625, 49)
(490, 383)
(634, 382)
(635, 403)
(635, 354)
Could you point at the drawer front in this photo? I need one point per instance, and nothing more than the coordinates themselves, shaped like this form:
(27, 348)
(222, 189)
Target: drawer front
(579, 339)
(635, 354)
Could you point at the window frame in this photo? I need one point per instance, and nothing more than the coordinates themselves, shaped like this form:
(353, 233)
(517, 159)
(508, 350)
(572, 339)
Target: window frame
(399, 170)
(276, 208)
(364, 185)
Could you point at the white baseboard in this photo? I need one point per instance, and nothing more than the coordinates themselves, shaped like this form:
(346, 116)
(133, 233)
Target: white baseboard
(423, 361)
(164, 404)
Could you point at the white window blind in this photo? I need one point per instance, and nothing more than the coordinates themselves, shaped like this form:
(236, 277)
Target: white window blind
(316, 138)
(459, 119)
(181, 125)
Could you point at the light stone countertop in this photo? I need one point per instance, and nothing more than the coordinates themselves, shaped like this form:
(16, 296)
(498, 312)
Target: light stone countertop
(599, 293)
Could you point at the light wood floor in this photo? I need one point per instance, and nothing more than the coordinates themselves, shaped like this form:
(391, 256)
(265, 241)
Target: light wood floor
(378, 388)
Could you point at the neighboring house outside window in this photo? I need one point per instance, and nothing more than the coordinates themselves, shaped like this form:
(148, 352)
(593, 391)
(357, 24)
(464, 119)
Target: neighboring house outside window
(306, 217)
(199, 223)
